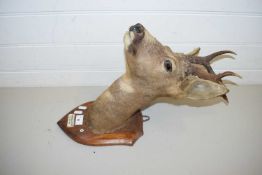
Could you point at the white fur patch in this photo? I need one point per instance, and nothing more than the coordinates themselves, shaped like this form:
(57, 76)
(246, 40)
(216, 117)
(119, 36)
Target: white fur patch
(126, 86)
(128, 39)
(108, 95)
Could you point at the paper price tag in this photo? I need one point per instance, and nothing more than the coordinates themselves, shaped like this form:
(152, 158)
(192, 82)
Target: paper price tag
(70, 120)
(78, 112)
(82, 107)
(79, 119)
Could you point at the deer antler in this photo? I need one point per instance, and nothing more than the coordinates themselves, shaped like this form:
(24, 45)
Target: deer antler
(205, 61)
(225, 74)
(194, 52)
(208, 73)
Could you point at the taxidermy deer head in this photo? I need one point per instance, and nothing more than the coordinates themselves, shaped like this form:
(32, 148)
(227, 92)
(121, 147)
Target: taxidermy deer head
(152, 71)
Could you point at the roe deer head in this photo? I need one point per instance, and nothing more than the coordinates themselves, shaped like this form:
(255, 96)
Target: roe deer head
(154, 70)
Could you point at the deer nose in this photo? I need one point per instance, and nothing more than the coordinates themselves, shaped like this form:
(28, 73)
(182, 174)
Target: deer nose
(138, 28)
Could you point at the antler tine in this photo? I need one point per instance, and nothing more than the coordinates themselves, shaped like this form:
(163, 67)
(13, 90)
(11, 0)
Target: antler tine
(194, 52)
(215, 54)
(227, 73)
(224, 74)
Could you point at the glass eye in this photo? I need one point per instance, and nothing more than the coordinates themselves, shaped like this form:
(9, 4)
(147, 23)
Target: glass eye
(168, 65)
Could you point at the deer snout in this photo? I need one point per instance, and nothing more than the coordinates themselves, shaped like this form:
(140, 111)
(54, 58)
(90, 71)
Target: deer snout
(133, 37)
(138, 28)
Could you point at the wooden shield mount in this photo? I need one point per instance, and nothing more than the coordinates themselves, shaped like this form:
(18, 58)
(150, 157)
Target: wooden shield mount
(75, 125)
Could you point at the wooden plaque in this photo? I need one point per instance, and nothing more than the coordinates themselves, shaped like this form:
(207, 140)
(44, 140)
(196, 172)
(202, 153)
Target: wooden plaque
(75, 125)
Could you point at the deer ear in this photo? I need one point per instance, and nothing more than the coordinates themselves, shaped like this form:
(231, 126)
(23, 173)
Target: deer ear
(198, 89)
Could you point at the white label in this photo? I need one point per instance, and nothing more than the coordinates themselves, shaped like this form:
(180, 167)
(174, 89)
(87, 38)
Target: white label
(70, 120)
(79, 119)
(82, 107)
(78, 112)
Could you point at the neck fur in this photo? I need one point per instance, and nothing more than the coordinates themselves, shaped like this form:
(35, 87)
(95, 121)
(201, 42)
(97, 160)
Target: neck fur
(117, 104)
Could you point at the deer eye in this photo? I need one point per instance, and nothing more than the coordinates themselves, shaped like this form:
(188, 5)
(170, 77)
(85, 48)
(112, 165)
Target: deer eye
(168, 65)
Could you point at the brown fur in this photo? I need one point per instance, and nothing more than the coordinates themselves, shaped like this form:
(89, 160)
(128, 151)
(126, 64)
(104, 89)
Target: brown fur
(146, 79)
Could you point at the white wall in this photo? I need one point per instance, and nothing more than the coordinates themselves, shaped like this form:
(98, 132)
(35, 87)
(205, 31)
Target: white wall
(79, 42)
